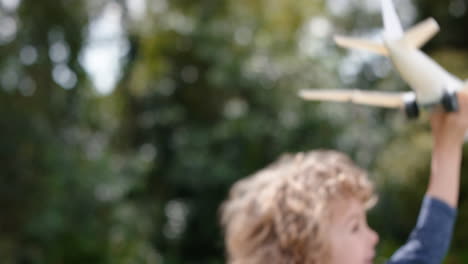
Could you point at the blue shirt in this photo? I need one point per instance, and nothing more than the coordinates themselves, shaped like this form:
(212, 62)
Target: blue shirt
(430, 239)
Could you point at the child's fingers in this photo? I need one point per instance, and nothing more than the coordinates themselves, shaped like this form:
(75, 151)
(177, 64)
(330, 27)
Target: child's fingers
(458, 120)
(462, 97)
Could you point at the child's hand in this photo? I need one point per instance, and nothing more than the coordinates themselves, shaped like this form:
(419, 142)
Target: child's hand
(451, 126)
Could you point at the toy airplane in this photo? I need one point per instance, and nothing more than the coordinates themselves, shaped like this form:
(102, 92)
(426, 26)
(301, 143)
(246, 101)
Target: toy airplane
(431, 83)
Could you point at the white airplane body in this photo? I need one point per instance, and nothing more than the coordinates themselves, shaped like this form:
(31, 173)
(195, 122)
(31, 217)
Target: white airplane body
(431, 83)
(427, 78)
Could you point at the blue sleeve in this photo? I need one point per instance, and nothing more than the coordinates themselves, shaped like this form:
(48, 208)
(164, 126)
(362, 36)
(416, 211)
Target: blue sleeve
(430, 239)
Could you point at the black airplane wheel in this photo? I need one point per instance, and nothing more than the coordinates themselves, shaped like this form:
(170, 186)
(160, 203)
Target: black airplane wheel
(450, 102)
(412, 109)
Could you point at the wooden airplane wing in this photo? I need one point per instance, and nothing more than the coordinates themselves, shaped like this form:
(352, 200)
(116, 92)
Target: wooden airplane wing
(354, 43)
(418, 35)
(380, 99)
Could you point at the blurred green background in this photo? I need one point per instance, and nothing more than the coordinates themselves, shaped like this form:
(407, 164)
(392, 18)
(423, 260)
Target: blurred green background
(123, 123)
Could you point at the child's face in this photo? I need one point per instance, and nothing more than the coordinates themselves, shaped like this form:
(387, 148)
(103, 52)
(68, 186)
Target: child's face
(352, 240)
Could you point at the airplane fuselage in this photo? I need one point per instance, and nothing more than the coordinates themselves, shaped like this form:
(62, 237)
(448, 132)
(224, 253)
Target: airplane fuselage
(427, 78)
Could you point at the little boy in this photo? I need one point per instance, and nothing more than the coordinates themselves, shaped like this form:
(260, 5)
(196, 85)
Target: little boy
(310, 208)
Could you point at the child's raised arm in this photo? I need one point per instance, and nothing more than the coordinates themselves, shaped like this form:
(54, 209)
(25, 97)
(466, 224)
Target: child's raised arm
(448, 130)
(430, 239)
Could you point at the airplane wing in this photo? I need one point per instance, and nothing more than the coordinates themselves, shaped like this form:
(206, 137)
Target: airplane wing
(418, 35)
(381, 99)
(355, 43)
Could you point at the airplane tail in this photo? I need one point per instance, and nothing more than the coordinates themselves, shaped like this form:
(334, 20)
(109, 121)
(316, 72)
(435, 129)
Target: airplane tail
(392, 25)
(415, 37)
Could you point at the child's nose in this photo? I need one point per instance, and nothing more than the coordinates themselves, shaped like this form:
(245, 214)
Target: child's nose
(374, 237)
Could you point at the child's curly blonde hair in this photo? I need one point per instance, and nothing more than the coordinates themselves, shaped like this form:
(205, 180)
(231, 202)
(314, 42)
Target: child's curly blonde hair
(279, 215)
